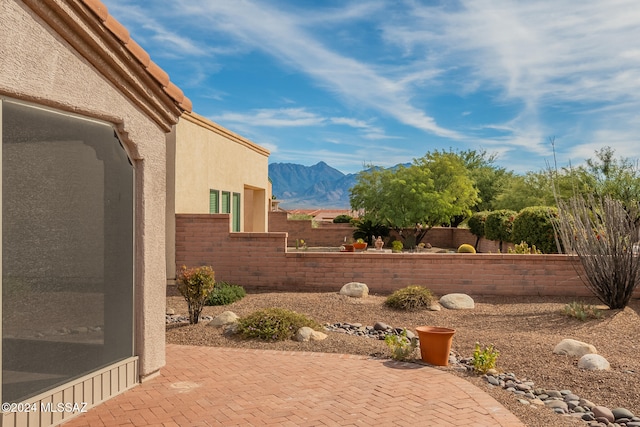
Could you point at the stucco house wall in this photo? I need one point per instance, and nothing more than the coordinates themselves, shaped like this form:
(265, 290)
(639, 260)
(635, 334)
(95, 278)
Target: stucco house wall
(204, 156)
(73, 56)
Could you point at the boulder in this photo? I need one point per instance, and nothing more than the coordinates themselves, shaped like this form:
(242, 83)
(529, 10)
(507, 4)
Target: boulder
(224, 318)
(355, 290)
(593, 362)
(306, 333)
(457, 302)
(574, 348)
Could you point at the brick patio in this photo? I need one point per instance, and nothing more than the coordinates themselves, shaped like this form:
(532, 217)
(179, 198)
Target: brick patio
(209, 386)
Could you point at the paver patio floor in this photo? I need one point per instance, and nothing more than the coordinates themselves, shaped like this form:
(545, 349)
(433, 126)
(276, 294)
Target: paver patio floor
(210, 386)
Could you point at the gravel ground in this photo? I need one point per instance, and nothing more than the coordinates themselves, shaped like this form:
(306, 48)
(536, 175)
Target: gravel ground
(524, 329)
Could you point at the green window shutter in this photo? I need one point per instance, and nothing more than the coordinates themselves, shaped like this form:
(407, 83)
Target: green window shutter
(214, 203)
(236, 212)
(226, 202)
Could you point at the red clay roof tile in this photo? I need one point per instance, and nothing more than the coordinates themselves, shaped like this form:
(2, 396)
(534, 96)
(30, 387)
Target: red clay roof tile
(158, 73)
(174, 92)
(98, 8)
(137, 51)
(122, 34)
(117, 29)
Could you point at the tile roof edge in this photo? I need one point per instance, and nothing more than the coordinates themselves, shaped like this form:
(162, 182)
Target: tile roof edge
(101, 11)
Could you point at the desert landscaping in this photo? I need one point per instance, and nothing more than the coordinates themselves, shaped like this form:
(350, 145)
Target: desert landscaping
(524, 330)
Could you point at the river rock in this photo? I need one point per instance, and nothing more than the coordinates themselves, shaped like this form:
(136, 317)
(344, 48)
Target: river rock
(603, 412)
(457, 302)
(574, 348)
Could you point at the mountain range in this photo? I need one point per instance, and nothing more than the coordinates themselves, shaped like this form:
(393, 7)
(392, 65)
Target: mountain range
(307, 187)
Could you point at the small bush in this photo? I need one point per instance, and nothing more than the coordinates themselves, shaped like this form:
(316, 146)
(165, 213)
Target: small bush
(396, 246)
(225, 293)
(410, 298)
(534, 225)
(274, 324)
(195, 284)
(402, 348)
(582, 311)
(342, 219)
(466, 249)
(483, 360)
(523, 249)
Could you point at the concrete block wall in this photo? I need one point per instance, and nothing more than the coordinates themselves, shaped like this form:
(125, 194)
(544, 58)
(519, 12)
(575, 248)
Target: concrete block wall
(259, 261)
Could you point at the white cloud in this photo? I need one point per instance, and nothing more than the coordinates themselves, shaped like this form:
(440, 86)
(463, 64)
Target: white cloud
(283, 117)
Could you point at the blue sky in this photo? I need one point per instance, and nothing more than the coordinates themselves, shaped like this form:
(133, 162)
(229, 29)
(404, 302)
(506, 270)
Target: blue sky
(383, 82)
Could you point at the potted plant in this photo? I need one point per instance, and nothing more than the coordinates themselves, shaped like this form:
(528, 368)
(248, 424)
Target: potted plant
(360, 244)
(396, 246)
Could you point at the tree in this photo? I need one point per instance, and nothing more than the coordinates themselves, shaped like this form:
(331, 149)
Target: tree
(604, 175)
(431, 191)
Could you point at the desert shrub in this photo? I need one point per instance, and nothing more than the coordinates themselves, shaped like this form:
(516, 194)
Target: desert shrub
(466, 249)
(410, 298)
(498, 225)
(401, 347)
(604, 234)
(224, 293)
(534, 225)
(195, 284)
(274, 324)
(342, 219)
(523, 249)
(484, 359)
(397, 246)
(582, 311)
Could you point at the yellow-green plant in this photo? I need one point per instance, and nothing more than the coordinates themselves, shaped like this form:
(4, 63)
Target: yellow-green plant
(484, 359)
(401, 347)
(195, 285)
(582, 311)
(396, 246)
(466, 249)
(524, 249)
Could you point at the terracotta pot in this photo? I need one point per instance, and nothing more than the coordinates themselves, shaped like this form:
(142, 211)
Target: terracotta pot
(360, 246)
(435, 344)
(347, 248)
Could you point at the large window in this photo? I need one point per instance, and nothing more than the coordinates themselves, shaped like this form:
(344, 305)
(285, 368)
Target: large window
(67, 249)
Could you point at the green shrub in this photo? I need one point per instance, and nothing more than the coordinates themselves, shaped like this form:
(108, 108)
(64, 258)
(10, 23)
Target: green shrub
(524, 249)
(483, 360)
(498, 225)
(225, 293)
(396, 246)
(368, 230)
(582, 311)
(466, 249)
(476, 223)
(342, 219)
(195, 284)
(534, 225)
(274, 324)
(402, 348)
(410, 298)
